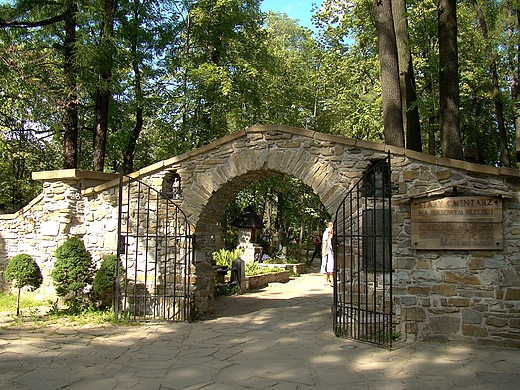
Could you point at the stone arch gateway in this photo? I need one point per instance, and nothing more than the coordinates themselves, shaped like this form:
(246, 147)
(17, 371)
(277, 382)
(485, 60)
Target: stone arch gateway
(454, 293)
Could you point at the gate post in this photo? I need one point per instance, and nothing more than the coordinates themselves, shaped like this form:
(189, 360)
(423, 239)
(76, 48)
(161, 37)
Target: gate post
(238, 273)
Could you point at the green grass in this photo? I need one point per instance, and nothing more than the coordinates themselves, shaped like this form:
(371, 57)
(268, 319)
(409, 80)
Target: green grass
(33, 317)
(8, 302)
(88, 316)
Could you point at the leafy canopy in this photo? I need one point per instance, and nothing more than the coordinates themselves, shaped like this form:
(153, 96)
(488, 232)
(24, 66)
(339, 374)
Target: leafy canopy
(23, 271)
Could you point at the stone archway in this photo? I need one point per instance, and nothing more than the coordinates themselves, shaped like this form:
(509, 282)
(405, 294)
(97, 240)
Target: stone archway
(213, 175)
(458, 293)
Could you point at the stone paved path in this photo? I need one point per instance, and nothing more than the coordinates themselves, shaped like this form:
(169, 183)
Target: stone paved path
(277, 338)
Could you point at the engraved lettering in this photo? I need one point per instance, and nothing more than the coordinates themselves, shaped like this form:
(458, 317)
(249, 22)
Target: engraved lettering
(465, 222)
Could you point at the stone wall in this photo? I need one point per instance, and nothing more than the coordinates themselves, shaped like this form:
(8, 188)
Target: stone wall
(466, 295)
(255, 282)
(448, 294)
(57, 214)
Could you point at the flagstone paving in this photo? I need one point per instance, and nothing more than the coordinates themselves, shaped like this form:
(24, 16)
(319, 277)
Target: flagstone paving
(276, 338)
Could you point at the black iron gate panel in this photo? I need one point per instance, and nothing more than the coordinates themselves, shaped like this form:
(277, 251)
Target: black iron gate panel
(156, 251)
(363, 259)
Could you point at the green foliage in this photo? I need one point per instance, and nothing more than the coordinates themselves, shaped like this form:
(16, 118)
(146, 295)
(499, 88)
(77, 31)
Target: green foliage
(285, 204)
(186, 73)
(104, 281)
(224, 257)
(226, 290)
(20, 154)
(252, 269)
(87, 315)
(23, 271)
(280, 258)
(73, 271)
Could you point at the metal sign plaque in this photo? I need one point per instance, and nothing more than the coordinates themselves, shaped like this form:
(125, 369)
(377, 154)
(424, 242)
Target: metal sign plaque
(463, 222)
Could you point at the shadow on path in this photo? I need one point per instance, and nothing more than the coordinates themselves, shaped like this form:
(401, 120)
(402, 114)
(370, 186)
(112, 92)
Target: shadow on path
(306, 292)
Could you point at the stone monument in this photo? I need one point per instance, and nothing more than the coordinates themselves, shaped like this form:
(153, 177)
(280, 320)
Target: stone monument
(247, 223)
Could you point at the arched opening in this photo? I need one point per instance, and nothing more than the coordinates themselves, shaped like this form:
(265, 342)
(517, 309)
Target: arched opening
(172, 187)
(282, 201)
(290, 210)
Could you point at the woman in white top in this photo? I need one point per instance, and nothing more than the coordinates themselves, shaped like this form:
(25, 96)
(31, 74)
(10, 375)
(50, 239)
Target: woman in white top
(327, 254)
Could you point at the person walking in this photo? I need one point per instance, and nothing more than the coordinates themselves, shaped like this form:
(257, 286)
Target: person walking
(317, 245)
(327, 254)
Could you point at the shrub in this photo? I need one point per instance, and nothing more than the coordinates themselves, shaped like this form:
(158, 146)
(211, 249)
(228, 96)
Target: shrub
(73, 271)
(23, 271)
(224, 257)
(104, 281)
(227, 290)
(253, 269)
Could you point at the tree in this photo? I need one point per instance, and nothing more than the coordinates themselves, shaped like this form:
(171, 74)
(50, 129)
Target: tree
(150, 33)
(389, 69)
(513, 61)
(449, 115)
(350, 87)
(291, 82)
(216, 69)
(34, 15)
(23, 271)
(412, 127)
(497, 98)
(285, 205)
(102, 97)
(72, 272)
(132, 35)
(70, 121)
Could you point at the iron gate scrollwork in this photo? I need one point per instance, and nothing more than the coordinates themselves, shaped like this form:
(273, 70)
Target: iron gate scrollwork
(363, 259)
(156, 254)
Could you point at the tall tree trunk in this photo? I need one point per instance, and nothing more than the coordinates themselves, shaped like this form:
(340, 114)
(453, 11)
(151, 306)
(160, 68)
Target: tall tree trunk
(514, 74)
(102, 101)
(70, 137)
(497, 98)
(103, 94)
(412, 127)
(129, 152)
(185, 97)
(389, 64)
(433, 115)
(517, 89)
(449, 116)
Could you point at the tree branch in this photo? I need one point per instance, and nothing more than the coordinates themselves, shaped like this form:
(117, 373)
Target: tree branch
(25, 24)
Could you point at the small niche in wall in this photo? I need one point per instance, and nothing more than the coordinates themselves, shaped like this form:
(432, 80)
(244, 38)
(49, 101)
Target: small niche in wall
(171, 187)
(376, 182)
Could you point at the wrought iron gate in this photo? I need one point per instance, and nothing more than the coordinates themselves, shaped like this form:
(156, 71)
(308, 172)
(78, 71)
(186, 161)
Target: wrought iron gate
(363, 261)
(155, 249)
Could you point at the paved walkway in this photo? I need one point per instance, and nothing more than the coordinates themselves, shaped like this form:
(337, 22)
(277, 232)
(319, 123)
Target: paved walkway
(279, 338)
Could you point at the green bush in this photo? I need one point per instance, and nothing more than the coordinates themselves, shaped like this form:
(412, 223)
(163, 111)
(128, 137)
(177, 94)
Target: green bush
(73, 271)
(280, 258)
(253, 269)
(104, 281)
(224, 257)
(227, 290)
(23, 271)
